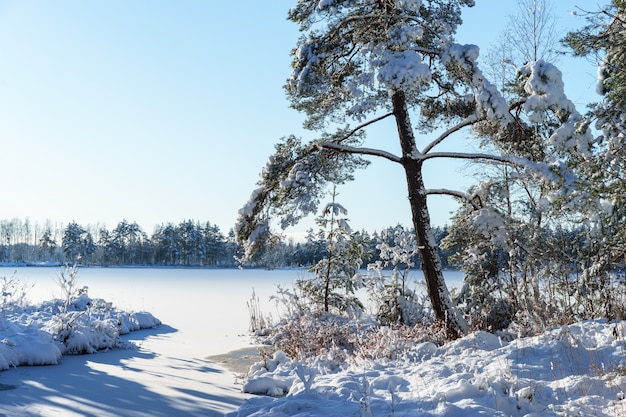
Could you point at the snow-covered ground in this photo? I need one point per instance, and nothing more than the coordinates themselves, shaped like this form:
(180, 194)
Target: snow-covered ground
(166, 373)
(577, 370)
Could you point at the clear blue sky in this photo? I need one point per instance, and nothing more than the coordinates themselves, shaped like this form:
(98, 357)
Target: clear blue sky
(158, 111)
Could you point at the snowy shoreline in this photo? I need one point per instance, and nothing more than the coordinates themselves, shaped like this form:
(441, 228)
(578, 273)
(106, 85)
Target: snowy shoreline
(161, 371)
(238, 361)
(570, 370)
(150, 378)
(171, 370)
(41, 334)
(111, 363)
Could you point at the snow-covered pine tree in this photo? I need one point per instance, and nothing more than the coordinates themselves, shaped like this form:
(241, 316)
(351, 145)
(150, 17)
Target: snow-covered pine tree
(338, 269)
(397, 303)
(77, 243)
(505, 262)
(364, 61)
(604, 41)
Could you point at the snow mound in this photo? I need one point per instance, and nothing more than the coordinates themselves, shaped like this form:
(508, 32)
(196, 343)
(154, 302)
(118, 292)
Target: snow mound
(28, 348)
(571, 370)
(40, 335)
(130, 322)
(273, 377)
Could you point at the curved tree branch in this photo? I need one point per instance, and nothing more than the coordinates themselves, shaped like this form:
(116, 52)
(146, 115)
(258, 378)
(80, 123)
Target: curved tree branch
(467, 122)
(363, 125)
(504, 159)
(544, 170)
(358, 151)
(474, 200)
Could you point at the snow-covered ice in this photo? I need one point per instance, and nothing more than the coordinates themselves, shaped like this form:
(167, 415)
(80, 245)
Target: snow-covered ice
(165, 373)
(575, 370)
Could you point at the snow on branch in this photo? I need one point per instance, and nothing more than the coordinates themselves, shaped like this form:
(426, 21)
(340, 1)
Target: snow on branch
(556, 173)
(472, 199)
(252, 226)
(462, 60)
(504, 159)
(402, 69)
(362, 126)
(491, 224)
(359, 151)
(335, 208)
(546, 90)
(291, 186)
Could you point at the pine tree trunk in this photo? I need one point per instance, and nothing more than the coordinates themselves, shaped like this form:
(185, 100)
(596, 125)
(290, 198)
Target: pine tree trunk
(431, 263)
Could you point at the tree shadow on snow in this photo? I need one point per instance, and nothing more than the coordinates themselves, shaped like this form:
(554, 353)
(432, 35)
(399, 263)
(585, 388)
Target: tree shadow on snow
(125, 382)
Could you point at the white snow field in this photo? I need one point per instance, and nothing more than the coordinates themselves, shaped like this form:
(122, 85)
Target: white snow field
(577, 370)
(203, 312)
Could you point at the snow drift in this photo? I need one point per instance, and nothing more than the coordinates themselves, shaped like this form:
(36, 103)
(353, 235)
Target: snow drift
(41, 334)
(570, 370)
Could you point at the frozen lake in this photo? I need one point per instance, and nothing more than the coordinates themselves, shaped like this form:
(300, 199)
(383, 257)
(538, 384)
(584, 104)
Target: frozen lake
(184, 298)
(204, 314)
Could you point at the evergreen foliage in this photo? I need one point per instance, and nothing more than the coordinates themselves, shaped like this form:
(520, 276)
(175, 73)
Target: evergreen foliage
(189, 243)
(604, 40)
(365, 61)
(339, 267)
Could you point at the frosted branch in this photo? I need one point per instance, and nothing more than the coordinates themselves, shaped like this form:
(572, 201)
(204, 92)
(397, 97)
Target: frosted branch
(474, 156)
(552, 172)
(469, 198)
(359, 151)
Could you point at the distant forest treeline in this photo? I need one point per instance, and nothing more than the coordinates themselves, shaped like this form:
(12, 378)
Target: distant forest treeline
(189, 243)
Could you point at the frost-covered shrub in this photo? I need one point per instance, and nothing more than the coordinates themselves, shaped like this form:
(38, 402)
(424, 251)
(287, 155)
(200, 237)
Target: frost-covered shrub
(403, 317)
(290, 301)
(67, 278)
(76, 334)
(337, 341)
(316, 296)
(86, 325)
(311, 335)
(395, 342)
(394, 302)
(12, 291)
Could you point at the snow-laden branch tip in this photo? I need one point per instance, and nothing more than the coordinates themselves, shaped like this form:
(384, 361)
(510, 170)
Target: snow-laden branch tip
(556, 172)
(402, 70)
(489, 101)
(546, 92)
(335, 209)
(491, 224)
(504, 159)
(359, 151)
(472, 199)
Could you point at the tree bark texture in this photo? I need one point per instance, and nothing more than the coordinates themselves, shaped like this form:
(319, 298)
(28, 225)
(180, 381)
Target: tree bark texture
(431, 263)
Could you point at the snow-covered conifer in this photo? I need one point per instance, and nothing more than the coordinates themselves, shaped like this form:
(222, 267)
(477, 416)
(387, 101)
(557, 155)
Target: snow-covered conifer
(358, 63)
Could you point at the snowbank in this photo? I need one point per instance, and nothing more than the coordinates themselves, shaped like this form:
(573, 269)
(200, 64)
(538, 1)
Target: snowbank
(41, 334)
(572, 370)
